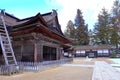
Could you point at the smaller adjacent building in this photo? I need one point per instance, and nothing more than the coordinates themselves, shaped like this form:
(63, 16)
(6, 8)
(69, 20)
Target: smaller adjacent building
(92, 51)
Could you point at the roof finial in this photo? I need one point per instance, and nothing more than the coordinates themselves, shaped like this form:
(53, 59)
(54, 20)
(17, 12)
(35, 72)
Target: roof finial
(2, 11)
(54, 12)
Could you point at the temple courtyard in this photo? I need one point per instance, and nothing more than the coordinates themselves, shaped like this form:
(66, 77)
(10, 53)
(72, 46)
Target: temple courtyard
(79, 69)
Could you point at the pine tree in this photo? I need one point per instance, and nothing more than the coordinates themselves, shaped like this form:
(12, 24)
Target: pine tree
(91, 37)
(102, 28)
(81, 29)
(79, 21)
(115, 37)
(70, 30)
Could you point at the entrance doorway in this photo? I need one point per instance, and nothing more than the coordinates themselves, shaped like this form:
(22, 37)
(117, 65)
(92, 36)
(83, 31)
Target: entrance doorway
(49, 53)
(91, 54)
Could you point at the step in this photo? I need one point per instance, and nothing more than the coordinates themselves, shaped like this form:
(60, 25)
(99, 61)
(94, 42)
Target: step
(3, 34)
(8, 52)
(6, 41)
(7, 48)
(11, 61)
(1, 24)
(1, 27)
(6, 44)
(10, 56)
(4, 38)
(2, 30)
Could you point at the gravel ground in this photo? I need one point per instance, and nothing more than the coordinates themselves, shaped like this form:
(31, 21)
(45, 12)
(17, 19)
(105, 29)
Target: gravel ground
(61, 73)
(83, 61)
(58, 73)
(91, 60)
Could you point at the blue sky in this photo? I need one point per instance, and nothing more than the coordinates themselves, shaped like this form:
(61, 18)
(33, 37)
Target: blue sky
(66, 9)
(25, 8)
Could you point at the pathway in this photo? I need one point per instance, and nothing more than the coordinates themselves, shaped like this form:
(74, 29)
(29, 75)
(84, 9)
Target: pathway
(104, 71)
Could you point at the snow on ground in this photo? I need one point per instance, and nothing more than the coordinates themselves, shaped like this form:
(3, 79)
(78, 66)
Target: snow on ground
(117, 63)
(115, 60)
(118, 69)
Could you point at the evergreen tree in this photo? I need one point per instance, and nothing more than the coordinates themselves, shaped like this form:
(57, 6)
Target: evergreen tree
(81, 29)
(79, 21)
(115, 37)
(102, 28)
(70, 30)
(91, 37)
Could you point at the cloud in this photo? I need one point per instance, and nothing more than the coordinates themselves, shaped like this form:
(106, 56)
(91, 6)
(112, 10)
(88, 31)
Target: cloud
(90, 9)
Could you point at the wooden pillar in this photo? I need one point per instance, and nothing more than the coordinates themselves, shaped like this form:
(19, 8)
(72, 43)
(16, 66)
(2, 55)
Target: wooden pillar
(35, 52)
(35, 41)
(41, 52)
(21, 52)
(57, 53)
(22, 47)
(61, 53)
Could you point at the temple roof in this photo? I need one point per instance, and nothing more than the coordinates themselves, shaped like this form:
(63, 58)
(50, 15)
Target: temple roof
(46, 24)
(92, 47)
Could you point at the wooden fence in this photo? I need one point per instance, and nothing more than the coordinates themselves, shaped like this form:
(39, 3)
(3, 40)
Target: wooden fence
(31, 66)
(37, 66)
(11, 69)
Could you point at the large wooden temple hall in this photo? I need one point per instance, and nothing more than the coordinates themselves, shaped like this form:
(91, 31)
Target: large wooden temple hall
(36, 38)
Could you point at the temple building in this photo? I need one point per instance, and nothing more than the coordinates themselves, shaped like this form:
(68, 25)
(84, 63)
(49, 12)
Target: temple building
(92, 51)
(37, 38)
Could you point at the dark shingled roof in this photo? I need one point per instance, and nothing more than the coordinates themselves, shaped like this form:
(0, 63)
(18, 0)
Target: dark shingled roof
(92, 47)
(35, 21)
(27, 20)
(11, 16)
